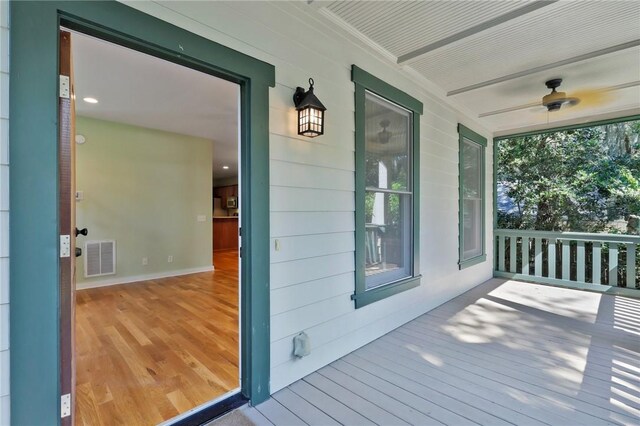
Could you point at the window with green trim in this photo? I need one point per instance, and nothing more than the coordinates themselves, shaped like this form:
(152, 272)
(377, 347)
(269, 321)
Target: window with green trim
(472, 197)
(387, 188)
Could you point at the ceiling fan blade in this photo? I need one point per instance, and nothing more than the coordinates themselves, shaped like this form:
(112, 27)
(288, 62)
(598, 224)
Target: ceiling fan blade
(593, 97)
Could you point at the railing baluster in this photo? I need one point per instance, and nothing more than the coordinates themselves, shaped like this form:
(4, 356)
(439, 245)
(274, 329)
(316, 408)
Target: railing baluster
(552, 257)
(597, 262)
(525, 255)
(580, 266)
(566, 260)
(631, 266)
(538, 258)
(585, 268)
(501, 266)
(513, 258)
(613, 264)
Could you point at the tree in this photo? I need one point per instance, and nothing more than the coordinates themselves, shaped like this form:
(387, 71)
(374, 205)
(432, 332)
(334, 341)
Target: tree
(578, 180)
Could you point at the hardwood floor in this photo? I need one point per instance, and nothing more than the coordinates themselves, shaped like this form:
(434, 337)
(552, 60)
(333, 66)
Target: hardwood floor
(147, 351)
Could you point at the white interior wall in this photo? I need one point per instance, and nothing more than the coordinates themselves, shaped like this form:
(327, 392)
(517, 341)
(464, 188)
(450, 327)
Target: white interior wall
(312, 182)
(4, 213)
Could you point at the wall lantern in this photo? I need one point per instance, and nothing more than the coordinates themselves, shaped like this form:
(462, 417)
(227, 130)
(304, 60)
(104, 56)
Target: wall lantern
(310, 112)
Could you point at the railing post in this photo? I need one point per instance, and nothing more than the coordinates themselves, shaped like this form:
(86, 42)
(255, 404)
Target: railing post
(525, 255)
(501, 266)
(566, 260)
(597, 263)
(552, 257)
(513, 250)
(538, 257)
(580, 265)
(613, 264)
(631, 266)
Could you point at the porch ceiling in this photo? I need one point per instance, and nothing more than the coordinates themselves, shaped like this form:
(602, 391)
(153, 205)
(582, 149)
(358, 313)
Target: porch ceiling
(493, 57)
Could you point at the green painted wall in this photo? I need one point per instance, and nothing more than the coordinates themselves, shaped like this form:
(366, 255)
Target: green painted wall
(145, 189)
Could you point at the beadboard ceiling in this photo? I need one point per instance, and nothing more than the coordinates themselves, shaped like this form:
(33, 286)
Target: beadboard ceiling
(493, 57)
(142, 90)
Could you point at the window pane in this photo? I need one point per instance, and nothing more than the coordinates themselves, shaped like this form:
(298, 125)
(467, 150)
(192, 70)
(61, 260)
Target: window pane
(387, 134)
(471, 199)
(387, 238)
(471, 157)
(472, 228)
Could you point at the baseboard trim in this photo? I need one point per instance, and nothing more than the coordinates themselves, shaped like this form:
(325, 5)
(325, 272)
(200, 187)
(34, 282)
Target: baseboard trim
(135, 278)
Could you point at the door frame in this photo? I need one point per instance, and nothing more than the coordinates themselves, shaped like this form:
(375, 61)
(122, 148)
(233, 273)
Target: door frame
(34, 191)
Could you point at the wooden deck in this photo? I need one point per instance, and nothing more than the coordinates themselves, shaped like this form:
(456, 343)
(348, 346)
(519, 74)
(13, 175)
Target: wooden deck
(503, 353)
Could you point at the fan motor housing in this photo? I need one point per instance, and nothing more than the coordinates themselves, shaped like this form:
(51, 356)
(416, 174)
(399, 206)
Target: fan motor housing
(554, 100)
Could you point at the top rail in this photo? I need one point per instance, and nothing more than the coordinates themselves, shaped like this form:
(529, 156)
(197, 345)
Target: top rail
(573, 236)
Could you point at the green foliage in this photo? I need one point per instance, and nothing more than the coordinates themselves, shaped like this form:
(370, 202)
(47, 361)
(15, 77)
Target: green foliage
(578, 180)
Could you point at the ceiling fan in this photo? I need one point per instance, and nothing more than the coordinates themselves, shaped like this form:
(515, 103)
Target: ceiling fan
(555, 100)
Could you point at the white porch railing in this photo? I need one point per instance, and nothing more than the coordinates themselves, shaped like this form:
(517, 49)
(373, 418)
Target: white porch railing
(599, 262)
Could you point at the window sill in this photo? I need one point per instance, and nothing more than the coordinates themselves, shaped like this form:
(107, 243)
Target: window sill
(473, 261)
(384, 291)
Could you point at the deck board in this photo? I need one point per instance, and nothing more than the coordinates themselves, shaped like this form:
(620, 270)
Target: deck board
(356, 402)
(302, 408)
(503, 353)
(277, 414)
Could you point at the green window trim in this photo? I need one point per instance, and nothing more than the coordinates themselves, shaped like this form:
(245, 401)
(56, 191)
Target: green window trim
(468, 134)
(367, 82)
(34, 279)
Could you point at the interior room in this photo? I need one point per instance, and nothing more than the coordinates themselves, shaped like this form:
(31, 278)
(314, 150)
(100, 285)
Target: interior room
(157, 210)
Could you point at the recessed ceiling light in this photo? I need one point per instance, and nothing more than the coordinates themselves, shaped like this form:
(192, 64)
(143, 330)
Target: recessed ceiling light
(90, 100)
(225, 167)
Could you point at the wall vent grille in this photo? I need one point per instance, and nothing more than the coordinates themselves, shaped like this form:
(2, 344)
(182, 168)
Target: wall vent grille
(99, 258)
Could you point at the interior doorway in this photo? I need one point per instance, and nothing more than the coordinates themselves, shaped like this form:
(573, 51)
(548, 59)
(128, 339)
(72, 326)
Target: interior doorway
(157, 313)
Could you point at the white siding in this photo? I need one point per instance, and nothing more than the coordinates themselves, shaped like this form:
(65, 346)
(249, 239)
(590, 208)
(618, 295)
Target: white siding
(4, 212)
(312, 181)
(312, 184)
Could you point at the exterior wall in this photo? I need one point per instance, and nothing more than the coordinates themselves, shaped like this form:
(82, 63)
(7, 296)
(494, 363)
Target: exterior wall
(145, 189)
(312, 181)
(4, 212)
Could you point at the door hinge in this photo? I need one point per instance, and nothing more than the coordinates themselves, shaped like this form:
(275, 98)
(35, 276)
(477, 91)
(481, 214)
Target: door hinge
(65, 405)
(64, 86)
(65, 245)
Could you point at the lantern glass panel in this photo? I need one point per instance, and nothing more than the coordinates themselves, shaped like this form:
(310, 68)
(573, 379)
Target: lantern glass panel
(310, 122)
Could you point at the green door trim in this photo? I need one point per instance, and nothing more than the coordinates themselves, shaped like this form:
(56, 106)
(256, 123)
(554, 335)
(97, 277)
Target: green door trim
(34, 235)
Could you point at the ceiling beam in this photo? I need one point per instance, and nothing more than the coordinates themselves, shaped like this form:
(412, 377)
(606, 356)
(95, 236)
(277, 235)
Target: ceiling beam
(475, 30)
(586, 56)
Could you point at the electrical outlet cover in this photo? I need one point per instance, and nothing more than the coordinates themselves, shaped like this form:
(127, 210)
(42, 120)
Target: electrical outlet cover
(301, 345)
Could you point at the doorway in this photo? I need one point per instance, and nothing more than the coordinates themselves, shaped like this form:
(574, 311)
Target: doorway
(38, 346)
(156, 322)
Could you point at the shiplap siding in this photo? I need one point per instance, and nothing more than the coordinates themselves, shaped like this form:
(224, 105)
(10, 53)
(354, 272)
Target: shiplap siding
(312, 181)
(4, 213)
